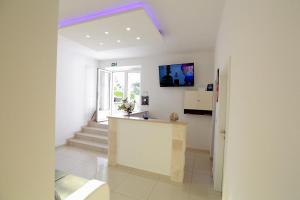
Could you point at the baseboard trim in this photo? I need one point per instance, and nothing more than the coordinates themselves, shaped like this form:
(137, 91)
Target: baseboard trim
(198, 150)
(141, 172)
(60, 146)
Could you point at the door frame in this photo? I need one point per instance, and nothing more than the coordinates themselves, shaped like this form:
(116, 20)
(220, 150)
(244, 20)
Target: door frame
(221, 128)
(111, 90)
(227, 131)
(98, 91)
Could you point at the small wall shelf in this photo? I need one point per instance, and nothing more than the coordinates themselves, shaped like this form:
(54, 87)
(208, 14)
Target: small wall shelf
(198, 102)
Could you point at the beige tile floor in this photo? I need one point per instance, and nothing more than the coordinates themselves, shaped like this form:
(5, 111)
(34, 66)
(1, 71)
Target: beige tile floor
(129, 184)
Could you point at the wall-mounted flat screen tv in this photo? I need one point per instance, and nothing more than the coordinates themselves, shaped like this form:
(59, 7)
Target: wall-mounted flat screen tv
(176, 75)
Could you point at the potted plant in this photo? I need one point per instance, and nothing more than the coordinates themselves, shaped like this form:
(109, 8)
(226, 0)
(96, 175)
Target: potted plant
(127, 106)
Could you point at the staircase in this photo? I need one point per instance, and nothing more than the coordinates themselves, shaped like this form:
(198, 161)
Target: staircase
(94, 136)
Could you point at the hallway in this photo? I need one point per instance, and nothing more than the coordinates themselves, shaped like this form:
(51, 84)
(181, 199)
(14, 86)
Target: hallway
(130, 184)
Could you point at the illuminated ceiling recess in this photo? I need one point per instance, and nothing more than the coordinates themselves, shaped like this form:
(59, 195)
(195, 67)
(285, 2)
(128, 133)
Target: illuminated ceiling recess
(109, 12)
(109, 33)
(115, 31)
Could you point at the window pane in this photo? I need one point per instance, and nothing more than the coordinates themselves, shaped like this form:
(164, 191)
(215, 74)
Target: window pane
(119, 84)
(118, 89)
(134, 87)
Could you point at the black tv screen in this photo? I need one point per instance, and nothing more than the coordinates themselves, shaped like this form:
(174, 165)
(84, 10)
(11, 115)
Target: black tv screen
(176, 75)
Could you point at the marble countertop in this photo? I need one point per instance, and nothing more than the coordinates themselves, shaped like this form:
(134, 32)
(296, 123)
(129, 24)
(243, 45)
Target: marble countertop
(147, 120)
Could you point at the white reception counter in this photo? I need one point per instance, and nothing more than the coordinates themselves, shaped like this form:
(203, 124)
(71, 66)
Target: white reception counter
(152, 145)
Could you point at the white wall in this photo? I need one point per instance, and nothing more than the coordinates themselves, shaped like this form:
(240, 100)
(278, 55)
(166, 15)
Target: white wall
(163, 101)
(75, 88)
(262, 158)
(27, 102)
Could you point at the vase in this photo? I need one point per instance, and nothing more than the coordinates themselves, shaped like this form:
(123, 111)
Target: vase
(174, 117)
(129, 113)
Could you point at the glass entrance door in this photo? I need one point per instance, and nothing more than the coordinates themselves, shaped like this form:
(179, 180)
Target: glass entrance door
(126, 84)
(104, 88)
(134, 87)
(118, 90)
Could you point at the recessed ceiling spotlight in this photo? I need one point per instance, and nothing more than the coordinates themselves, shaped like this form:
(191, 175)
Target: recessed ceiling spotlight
(106, 32)
(101, 43)
(118, 41)
(87, 36)
(138, 38)
(128, 29)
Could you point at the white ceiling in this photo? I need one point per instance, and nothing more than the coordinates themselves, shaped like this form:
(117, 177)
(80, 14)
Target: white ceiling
(117, 37)
(187, 25)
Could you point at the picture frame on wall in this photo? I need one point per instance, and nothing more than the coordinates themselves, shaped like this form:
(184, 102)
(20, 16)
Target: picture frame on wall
(145, 100)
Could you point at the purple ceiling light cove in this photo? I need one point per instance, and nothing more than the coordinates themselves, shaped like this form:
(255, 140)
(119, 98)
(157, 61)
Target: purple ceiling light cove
(108, 12)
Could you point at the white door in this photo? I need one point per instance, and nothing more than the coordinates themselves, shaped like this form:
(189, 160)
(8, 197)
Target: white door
(221, 126)
(104, 94)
